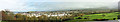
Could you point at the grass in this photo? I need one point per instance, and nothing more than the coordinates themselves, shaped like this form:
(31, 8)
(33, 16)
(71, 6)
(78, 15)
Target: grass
(3, 21)
(109, 16)
(78, 20)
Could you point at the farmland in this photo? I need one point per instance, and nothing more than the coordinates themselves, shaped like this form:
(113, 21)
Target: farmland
(91, 17)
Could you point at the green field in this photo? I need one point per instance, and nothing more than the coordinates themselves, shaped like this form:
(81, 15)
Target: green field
(91, 17)
(3, 21)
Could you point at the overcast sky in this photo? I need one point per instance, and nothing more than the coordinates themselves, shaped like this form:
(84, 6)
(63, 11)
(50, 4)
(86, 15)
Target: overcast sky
(44, 5)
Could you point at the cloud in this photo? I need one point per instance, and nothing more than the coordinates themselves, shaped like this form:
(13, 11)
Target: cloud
(14, 5)
(82, 0)
(44, 5)
(73, 5)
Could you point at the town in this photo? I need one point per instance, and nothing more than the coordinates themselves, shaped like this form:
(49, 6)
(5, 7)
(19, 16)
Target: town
(49, 15)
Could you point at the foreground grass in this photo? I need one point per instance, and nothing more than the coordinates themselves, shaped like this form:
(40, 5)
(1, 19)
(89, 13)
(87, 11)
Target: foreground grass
(96, 16)
(77, 20)
(3, 21)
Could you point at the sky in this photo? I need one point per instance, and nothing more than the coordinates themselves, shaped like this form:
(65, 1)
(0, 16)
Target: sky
(48, 5)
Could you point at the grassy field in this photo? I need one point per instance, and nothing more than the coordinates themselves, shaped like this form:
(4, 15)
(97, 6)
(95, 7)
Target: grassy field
(90, 17)
(3, 21)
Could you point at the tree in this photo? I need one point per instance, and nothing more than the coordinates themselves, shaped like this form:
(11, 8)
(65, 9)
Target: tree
(34, 18)
(19, 17)
(6, 15)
